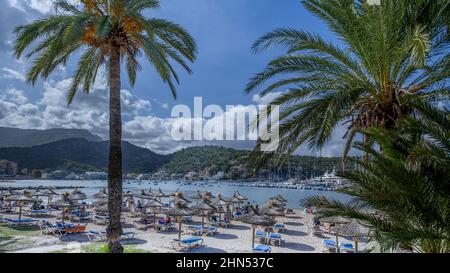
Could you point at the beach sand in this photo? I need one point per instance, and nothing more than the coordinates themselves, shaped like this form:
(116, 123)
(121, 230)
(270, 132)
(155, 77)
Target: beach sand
(236, 239)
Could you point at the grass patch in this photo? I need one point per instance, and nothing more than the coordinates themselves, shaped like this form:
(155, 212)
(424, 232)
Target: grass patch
(25, 231)
(102, 248)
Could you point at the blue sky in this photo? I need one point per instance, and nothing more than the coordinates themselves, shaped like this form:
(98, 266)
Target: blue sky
(224, 31)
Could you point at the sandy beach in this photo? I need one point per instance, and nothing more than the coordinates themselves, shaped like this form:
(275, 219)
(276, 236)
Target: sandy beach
(235, 239)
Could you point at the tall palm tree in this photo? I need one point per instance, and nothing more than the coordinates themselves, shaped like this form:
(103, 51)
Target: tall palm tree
(107, 32)
(403, 193)
(386, 54)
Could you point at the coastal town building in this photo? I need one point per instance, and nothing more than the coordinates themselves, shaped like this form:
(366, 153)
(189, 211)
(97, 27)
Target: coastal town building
(8, 168)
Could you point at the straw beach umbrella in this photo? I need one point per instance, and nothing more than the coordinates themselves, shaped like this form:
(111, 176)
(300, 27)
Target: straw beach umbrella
(219, 203)
(179, 211)
(77, 195)
(21, 200)
(271, 212)
(65, 202)
(352, 229)
(179, 198)
(208, 197)
(257, 220)
(240, 196)
(153, 204)
(279, 197)
(234, 200)
(203, 207)
(197, 197)
(102, 194)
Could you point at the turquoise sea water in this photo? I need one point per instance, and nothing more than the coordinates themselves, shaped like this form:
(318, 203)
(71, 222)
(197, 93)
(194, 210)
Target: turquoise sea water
(256, 195)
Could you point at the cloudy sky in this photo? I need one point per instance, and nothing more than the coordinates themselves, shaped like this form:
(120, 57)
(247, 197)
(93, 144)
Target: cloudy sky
(224, 31)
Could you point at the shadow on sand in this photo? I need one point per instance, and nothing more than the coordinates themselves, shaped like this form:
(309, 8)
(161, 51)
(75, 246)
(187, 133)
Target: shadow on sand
(224, 236)
(207, 249)
(299, 246)
(237, 227)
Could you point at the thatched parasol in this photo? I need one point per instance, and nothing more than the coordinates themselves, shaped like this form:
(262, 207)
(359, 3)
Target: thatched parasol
(233, 200)
(65, 202)
(102, 194)
(179, 198)
(279, 197)
(153, 204)
(219, 203)
(179, 211)
(275, 203)
(208, 196)
(352, 229)
(203, 207)
(271, 212)
(21, 200)
(240, 196)
(77, 195)
(197, 197)
(160, 194)
(257, 220)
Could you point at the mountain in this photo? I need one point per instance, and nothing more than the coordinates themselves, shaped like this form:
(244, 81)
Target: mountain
(12, 137)
(235, 164)
(82, 155)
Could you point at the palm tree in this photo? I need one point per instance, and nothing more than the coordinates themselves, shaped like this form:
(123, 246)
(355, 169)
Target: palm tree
(107, 32)
(403, 193)
(386, 54)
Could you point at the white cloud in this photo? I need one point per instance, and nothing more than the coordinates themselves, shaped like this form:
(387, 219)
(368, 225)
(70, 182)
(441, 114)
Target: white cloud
(11, 74)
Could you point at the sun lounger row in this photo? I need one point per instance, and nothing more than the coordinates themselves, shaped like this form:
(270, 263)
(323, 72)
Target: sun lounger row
(199, 230)
(94, 235)
(187, 244)
(61, 229)
(330, 246)
(19, 222)
(269, 237)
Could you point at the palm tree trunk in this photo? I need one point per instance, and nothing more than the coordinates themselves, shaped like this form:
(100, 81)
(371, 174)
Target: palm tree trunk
(114, 230)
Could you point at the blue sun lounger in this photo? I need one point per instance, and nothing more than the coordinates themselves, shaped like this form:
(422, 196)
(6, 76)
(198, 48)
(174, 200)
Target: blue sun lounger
(50, 229)
(262, 249)
(187, 244)
(347, 247)
(275, 237)
(94, 235)
(329, 245)
(261, 235)
(279, 227)
(20, 222)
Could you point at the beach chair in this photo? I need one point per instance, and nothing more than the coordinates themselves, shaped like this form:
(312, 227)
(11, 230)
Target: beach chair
(22, 222)
(39, 213)
(100, 220)
(317, 231)
(187, 244)
(195, 230)
(347, 248)
(329, 245)
(187, 219)
(275, 237)
(98, 236)
(49, 229)
(261, 235)
(210, 230)
(279, 228)
(72, 228)
(262, 249)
